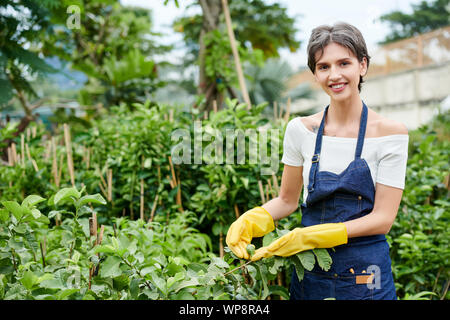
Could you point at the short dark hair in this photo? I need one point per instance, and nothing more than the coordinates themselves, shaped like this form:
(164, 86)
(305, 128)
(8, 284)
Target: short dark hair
(341, 33)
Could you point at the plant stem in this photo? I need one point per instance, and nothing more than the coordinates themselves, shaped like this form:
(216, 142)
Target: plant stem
(237, 268)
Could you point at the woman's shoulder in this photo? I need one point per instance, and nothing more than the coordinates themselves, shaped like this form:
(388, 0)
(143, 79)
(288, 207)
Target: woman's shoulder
(377, 125)
(389, 127)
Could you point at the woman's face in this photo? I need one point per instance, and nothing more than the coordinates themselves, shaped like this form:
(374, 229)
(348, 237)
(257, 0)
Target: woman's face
(338, 70)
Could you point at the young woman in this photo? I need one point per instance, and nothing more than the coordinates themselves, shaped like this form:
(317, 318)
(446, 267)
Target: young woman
(352, 163)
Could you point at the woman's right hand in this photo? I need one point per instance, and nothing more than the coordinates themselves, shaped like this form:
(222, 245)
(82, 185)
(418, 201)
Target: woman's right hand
(256, 222)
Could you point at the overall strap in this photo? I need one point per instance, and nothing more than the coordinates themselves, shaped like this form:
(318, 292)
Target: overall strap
(316, 155)
(362, 132)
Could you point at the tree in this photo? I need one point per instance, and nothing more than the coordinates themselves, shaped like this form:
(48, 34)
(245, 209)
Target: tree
(260, 31)
(21, 24)
(424, 18)
(112, 46)
(268, 83)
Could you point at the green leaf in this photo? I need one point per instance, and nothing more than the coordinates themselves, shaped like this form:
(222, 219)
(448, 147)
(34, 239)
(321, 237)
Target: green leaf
(172, 280)
(121, 282)
(148, 163)
(262, 271)
(60, 295)
(66, 193)
(268, 239)
(134, 288)
(35, 213)
(299, 270)
(110, 267)
(4, 215)
(184, 284)
(32, 200)
(95, 198)
(307, 259)
(158, 283)
(29, 279)
(104, 249)
(323, 258)
(14, 208)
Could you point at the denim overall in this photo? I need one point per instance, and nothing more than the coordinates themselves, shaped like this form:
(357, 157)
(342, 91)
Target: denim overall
(337, 198)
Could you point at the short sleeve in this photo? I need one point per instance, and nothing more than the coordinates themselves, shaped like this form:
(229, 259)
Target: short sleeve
(292, 155)
(393, 157)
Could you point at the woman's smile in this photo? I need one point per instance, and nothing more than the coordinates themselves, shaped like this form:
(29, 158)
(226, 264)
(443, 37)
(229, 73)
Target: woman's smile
(338, 87)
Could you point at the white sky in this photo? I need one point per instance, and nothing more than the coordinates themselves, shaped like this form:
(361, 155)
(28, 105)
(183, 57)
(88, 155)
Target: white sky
(361, 13)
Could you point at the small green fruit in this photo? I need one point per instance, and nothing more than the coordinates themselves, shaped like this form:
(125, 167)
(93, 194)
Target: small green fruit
(251, 249)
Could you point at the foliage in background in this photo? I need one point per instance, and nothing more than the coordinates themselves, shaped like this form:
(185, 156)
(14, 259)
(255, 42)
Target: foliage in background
(420, 235)
(129, 260)
(260, 29)
(211, 192)
(111, 46)
(426, 16)
(20, 55)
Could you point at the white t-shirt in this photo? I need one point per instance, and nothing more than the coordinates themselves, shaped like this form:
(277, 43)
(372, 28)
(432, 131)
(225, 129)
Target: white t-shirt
(386, 156)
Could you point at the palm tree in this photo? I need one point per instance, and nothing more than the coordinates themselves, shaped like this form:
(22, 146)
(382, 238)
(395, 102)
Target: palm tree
(269, 83)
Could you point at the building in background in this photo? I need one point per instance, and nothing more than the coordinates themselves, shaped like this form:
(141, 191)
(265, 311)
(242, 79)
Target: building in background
(408, 80)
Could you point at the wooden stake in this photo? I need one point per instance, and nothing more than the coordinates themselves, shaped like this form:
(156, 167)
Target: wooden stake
(237, 61)
(109, 184)
(48, 150)
(35, 166)
(14, 153)
(170, 182)
(22, 148)
(10, 157)
(221, 249)
(27, 149)
(178, 200)
(174, 180)
(102, 180)
(215, 106)
(236, 211)
(69, 153)
(261, 191)
(155, 202)
(93, 225)
(100, 235)
(288, 110)
(61, 158)
(275, 183)
(105, 194)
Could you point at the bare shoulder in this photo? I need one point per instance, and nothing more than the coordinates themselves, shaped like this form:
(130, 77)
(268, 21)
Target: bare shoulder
(387, 127)
(312, 122)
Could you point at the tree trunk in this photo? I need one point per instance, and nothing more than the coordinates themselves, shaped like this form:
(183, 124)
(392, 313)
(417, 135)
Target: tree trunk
(211, 13)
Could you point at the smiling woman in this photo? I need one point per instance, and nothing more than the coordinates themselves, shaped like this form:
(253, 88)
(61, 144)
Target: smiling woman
(352, 188)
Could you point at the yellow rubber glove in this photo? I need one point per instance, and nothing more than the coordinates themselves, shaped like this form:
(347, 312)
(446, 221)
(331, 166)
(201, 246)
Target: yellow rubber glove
(255, 222)
(325, 235)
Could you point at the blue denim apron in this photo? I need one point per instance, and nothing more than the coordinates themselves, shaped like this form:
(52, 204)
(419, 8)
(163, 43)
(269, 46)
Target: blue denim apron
(338, 198)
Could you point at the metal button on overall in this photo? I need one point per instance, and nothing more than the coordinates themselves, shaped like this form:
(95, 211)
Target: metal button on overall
(338, 198)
